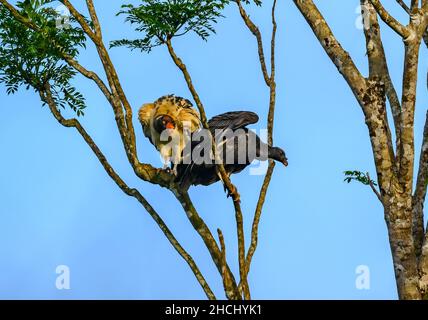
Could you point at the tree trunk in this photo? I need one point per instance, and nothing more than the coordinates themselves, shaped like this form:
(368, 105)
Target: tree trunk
(397, 203)
(398, 213)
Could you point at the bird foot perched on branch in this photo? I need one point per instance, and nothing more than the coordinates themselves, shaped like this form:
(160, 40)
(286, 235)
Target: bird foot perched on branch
(232, 193)
(171, 171)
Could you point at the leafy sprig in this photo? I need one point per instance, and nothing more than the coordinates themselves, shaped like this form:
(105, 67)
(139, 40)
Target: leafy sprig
(32, 58)
(359, 176)
(162, 20)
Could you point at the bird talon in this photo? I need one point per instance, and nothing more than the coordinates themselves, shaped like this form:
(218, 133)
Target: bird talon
(233, 193)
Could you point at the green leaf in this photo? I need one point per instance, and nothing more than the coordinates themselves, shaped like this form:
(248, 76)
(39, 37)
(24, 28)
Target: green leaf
(34, 58)
(358, 176)
(160, 20)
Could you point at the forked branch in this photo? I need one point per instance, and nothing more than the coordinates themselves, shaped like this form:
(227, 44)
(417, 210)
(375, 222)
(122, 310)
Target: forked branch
(390, 20)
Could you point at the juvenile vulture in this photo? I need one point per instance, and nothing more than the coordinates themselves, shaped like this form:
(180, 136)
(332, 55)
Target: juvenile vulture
(234, 144)
(164, 121)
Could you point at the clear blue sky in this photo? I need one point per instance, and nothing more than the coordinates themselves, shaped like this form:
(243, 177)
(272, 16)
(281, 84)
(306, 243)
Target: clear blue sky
(58, 207)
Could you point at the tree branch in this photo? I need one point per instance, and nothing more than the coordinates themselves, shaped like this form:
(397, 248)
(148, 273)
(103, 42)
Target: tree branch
(271, 83)
(407, 154)
(390, 20)
(420, 193)
(204, 232)
(378, 69)
(368, 92)
(225, 178)
(404, 6)
(414, 4)
(225, 273)
(94, 18)
(112, 77)
(258, 213)
(333, 48)
(46, 96)
(256, 32)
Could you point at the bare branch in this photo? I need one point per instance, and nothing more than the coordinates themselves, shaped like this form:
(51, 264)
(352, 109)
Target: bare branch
(404, 6)
(272, 84)
(46, 96)
(258, 213)
(390, 20)
(256, 32)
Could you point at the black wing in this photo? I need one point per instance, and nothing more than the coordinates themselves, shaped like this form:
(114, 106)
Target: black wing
(233, 120)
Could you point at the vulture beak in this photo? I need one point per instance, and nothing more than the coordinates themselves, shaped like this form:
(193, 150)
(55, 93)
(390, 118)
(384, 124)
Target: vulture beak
(164, 122)
(169, 125)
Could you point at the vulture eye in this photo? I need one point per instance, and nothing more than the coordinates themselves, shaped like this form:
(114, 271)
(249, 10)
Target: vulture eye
(164, 122)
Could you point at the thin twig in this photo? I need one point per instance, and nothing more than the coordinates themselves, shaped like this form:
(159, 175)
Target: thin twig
(373, 187)
(404, 6)
(256, 32)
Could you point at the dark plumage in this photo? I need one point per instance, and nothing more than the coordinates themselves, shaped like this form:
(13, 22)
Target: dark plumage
(233, 140)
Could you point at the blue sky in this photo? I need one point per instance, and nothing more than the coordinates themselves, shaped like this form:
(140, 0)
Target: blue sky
(60, 208)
